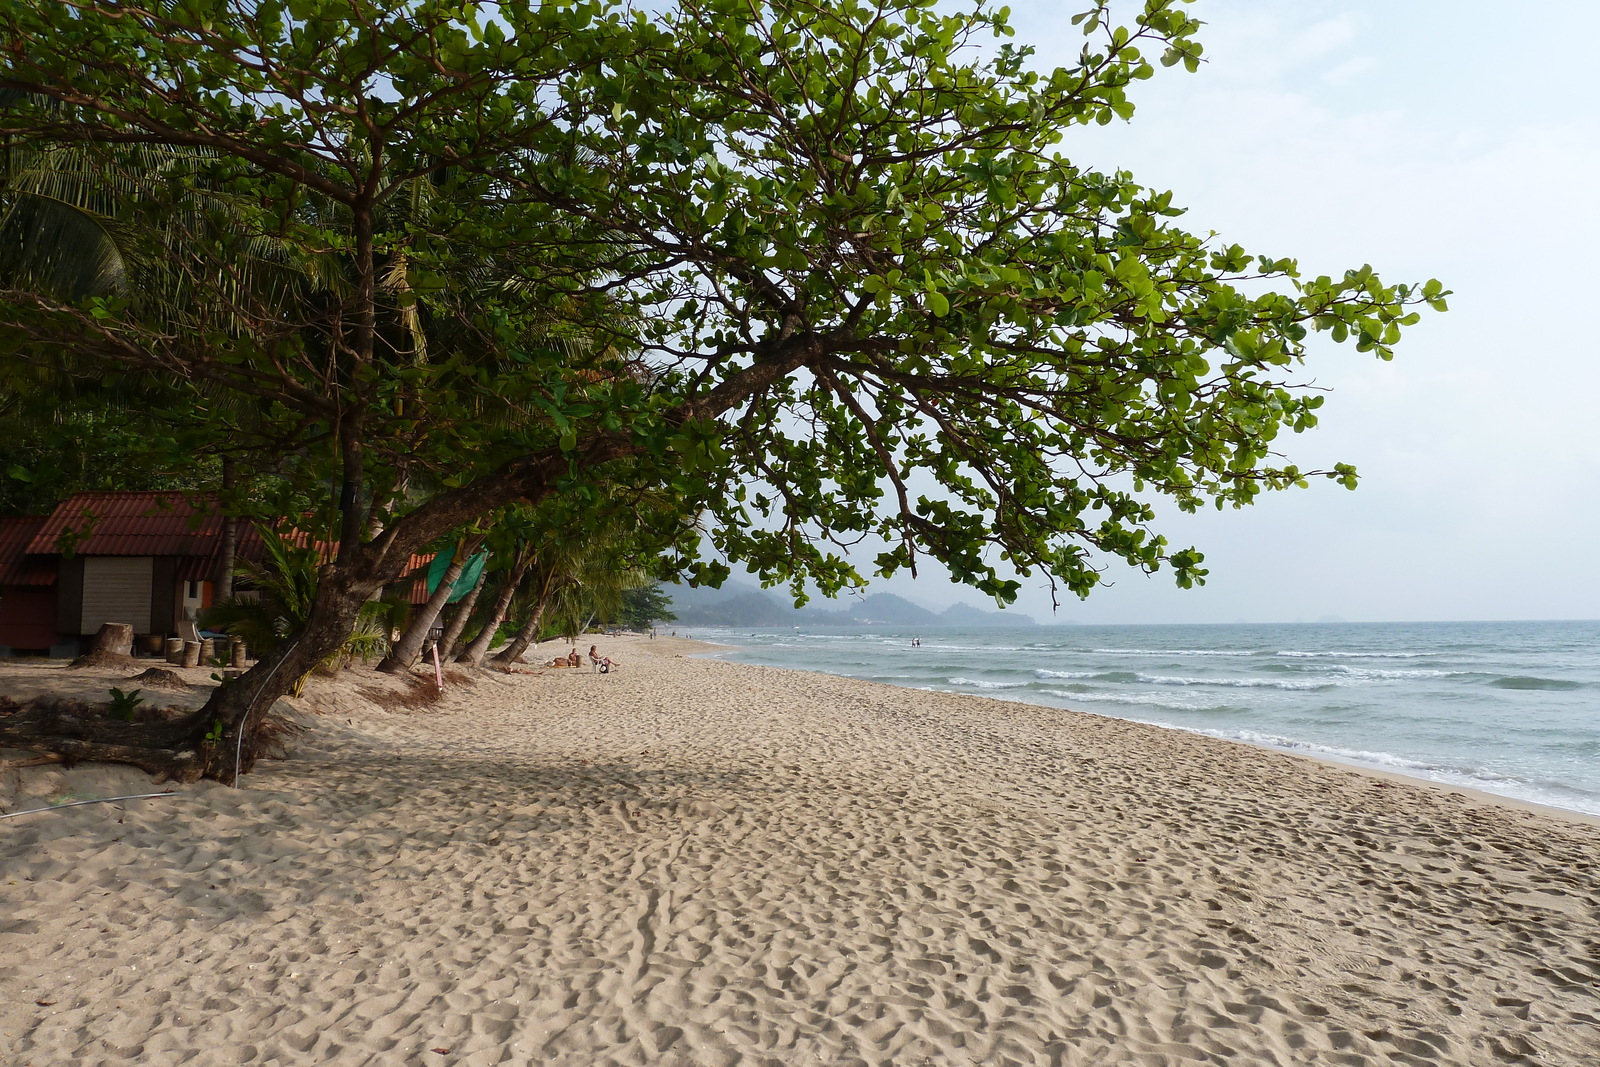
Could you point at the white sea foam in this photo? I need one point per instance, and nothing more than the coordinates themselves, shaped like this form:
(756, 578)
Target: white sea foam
(1167, 652)
(1353, 655)
(1239, 683)
(1142, 700)
(1380, 759)
(978, 683)
(1491, 706)
(1556, 794)
(1376, 673)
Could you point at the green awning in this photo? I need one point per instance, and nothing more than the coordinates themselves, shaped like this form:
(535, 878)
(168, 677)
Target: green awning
(469, 573)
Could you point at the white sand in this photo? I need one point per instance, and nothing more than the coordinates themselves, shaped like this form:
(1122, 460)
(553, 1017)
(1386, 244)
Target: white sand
(691, 862)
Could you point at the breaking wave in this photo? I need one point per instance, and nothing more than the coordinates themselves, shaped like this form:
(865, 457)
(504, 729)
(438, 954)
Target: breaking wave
(978, 683)
(1238, 683)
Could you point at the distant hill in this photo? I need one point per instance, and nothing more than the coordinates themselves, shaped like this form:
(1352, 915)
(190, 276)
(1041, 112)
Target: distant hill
(743, 604)
(735, 604)
(967, 615)
(879, 609)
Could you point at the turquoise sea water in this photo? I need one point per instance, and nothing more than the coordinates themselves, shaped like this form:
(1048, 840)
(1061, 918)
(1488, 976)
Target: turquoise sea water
(1510, 708)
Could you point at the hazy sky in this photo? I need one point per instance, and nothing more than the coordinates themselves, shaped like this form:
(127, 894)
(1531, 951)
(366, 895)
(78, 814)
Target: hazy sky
(1457, 140)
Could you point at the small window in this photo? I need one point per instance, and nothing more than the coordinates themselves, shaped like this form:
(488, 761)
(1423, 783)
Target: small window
(194, 591)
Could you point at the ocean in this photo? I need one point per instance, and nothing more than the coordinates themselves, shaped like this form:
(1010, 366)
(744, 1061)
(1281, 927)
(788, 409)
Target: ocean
(1511, 708)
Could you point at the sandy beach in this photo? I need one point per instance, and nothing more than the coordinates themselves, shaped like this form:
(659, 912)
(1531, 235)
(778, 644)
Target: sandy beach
(690, 862)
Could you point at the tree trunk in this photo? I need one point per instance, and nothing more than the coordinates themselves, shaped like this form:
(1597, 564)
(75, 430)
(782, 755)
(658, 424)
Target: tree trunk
(479, 648)
(236, 709)
(205, 743)
(113, 638)
(404, 655)
(527, 635)
(452, 633)
(229, 548)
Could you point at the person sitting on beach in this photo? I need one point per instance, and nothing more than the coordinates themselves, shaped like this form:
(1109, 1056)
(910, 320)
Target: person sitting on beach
(573, 659)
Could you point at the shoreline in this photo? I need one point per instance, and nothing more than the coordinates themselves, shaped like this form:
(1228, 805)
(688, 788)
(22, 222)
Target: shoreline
(1483, 796)
(689, 862)
(1342, 763)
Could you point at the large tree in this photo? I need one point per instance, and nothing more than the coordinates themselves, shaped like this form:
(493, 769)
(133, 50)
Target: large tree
(866, 292)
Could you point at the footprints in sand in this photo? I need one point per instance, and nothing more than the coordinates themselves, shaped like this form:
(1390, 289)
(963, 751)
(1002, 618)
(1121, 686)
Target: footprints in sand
(815, 872)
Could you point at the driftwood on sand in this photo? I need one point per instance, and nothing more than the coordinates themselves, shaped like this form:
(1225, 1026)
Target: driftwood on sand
(160, 741)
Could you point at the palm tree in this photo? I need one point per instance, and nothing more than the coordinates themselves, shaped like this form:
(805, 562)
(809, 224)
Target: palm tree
(79, 222)
(574, 580)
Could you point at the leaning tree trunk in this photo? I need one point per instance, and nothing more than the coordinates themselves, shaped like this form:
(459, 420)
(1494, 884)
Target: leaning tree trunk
(527, 635)
(479, 648)
(464, 610)
(408, 650)
(237, 707)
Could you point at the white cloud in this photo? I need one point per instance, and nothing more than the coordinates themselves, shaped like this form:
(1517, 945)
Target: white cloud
(1350, 71)
(1363, 132)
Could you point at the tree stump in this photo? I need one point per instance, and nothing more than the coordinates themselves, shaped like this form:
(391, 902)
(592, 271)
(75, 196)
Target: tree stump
(191, 653)
(114, 638)
(175, 651)
(236, 652)
(111, 648)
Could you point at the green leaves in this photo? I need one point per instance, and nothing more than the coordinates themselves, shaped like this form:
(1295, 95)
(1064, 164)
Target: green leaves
(824, 275)
(123, 704)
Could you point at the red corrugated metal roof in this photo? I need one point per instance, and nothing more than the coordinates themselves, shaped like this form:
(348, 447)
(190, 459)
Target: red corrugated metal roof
(16, 568)
(130, 524)
(157, 524)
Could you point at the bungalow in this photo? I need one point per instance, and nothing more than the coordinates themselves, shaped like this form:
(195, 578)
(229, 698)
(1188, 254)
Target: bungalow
(148, 559)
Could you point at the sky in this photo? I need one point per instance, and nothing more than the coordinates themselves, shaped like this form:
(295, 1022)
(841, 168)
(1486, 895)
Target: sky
(1456, 139)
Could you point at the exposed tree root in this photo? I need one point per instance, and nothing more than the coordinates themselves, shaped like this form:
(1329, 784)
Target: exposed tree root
(170, 746)
(33, 761)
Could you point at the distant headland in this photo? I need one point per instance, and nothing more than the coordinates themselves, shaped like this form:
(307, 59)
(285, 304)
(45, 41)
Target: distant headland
(743, 604)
